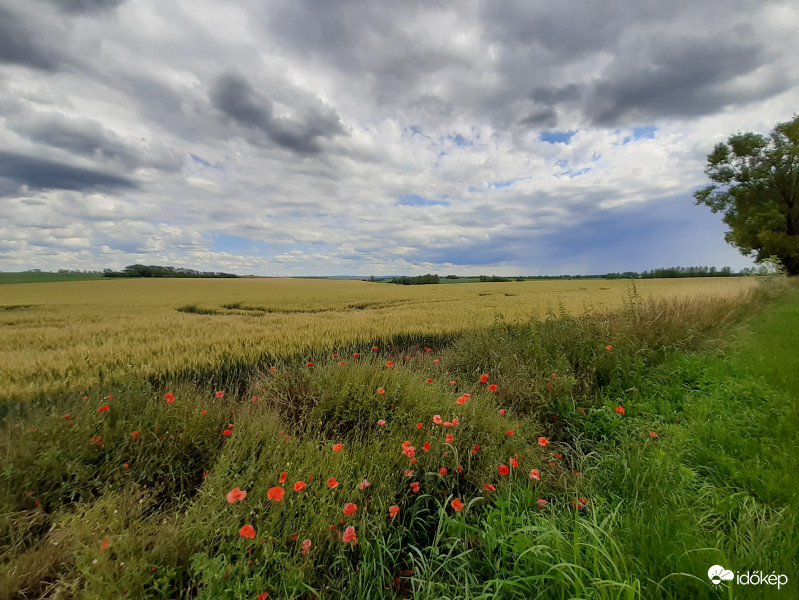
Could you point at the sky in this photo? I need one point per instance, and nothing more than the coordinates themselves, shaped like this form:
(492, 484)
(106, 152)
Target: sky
(302, 137)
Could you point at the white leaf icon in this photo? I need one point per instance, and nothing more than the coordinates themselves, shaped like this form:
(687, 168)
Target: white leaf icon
(717, 574)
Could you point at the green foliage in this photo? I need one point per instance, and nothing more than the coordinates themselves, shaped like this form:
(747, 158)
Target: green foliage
(756, 186)
(161, 271)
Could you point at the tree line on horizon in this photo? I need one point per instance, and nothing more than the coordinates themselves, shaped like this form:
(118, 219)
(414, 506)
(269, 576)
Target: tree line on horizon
(160, 271)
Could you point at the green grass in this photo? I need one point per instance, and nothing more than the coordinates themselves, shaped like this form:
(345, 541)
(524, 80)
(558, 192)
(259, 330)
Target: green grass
(627, 516)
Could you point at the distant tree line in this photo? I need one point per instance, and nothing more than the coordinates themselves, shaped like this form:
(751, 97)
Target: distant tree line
(159, 271)
(418, 280)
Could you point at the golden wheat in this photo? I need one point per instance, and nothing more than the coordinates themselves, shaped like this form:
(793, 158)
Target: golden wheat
(72, 335)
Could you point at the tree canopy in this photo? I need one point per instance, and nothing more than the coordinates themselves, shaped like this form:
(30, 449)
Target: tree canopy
(756, 184)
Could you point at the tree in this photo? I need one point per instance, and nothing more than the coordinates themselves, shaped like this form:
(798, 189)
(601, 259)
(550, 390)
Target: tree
(756, 185)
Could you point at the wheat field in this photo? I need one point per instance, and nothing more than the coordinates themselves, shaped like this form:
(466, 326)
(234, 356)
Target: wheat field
(70, 336)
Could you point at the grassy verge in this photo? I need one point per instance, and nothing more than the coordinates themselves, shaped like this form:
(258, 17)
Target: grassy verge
(538, 487)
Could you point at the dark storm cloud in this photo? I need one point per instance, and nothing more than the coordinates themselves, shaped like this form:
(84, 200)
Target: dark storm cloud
(86, 6)
(24, 44)
(18, 170)
(234, 96)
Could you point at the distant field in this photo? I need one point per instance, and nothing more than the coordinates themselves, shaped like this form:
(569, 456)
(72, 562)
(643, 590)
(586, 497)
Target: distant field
(71, 335)
(42, 277)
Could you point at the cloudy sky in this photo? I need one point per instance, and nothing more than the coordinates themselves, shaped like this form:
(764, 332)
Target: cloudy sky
(302, 137)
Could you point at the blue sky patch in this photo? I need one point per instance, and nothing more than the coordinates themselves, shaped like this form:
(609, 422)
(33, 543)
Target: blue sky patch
(555, 137)
(416, 200)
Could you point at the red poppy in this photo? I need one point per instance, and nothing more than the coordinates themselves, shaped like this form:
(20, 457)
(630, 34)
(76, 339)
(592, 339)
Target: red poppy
(262, 596)
(447, 423)
(453, 383)
(306, 547)
(620, 410)
(608, 347)
(419, 425)
(514, 463)
(169, 397)
(492, 387)
(389, 363)
(227, 432)
(542, 441)
(409, 451)
(248, 531)
(476, 449)
(299, 486)
(503, 470)
(381, 391)
(541, 503)
(460, 400)
(350, 508)
(489, 487)
(409, 473)
(448, 438)
(501, 412)
(430, 380)
(134, 435)
(535, 474)
(375, 348)
(309, 363)
(202, 412)
(236, 495)
(653, 434)
(455, 421)
(356, 355)
(349, 535)
(275, 493)
(414, 485)
(435, 361)
(342, 363)
(426, 446)
(337, 447)
(442, 471)
(104, 545)
(363, 485)
(457, 504)
(332, 482)
(579, 503)
(103, 408)
(437, 419)
(220, 394)
(393, 510)
(125, 465)
(509, 432)
(483, 377)
(413, 460)
(381, 422)
(282, 478)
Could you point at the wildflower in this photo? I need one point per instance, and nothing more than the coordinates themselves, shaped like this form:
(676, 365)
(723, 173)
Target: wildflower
(542, 441)
(483, 378)
(342, 363)
(309, 363)
(255, 398)
(350, 508)
(503, 470)
(430, 380)
(412, 460)
(275, 493)
(501, 412)
(337, 447)
(262, 596)
(442, 471)
(460, 469)
(125, 465)
(509, 432)
(356, 355)
(104, 545)
(608, 347)
(489, 487)
(220, 394)
(426, 446)
(236, 495)
(476, 449)
(579, 503)
(409, 473)
(375, 348)
(414, 485)
(332, 483)
(169, 397)
(282, 478)
(299, 486)
(134, 435)
(535, 474)
(381, 422)
(419, 425)
(449, 437)
(202, 412)
(349, 535)
(389, 363)
(409, 451)
(306, 547)
(460, 400)
(541, 503)
(492, 388)
(457, 505)
(248, 531)
(363, 485)
(103, 408)
(393, 510)
(447, 423)
(436, 361)
(381, 391)
(620, 410)
(455, 421)
(437, 419)
(653, 434)
(514, 463)
(453, 383)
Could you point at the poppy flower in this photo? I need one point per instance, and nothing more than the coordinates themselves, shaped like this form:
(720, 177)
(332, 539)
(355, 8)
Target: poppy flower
(202, 412)
(262, 596)
(409, 473)
(514, 463)
(406, 443)
(409, 451)
(342, 363)
(363, 485)
(503, 470)
(483, 377)
(620, 410)
(426, 446)
(492, 387)
(448, 438)
(489, 487)
(125, 465)
(414, 485)
(282, 478)
(447, 423)
(98, 440)
(103, 408)
(248, 531)
(381, 422)
(455, 421)
(337, 447)
(556, 455)
(375, 348)
(442, 471)
(419, 425)
(104, 545)
(457, 504)
(393, 510)
(275, 493)
(437, 419)
(309, 363)
(332, 482)
(460, 400)
(542, 441)
(436, 361)
(535, 474)
(413, 460)
(389, 363)
(653, 434)
(349, 535)
(356, 354)
(381, 391)
(236, 495)
(579, 503)
(430, 380)
(476, 449)
(509, 432)
(134, 435)
(220, 394)
(541, 503)
(350, 508)
(299, 486)
(501, 412)
(608, 347)
(306, 547)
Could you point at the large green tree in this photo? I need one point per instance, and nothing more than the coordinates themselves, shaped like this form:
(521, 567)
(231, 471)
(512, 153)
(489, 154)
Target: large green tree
(756, 185)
